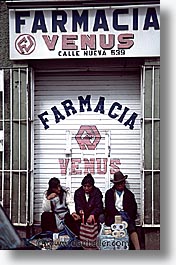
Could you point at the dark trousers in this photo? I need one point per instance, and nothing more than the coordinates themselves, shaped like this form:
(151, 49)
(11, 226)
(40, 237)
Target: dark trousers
(73, 225)
(48, 223)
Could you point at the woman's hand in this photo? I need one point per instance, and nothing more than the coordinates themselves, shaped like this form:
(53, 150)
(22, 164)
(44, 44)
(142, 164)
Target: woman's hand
(76, 216)
(51, 196)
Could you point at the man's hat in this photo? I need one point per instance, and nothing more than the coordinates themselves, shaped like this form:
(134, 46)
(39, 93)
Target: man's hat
(118, 177)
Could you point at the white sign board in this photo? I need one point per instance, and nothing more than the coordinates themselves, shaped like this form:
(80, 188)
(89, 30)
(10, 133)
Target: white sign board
(86, 32)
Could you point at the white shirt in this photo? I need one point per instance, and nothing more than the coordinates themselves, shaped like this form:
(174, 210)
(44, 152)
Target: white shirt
(87, 196)
(119, 201)
(46, 205)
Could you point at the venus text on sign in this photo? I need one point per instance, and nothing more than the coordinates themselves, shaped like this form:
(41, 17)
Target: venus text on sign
(106, 42)
(94, 166)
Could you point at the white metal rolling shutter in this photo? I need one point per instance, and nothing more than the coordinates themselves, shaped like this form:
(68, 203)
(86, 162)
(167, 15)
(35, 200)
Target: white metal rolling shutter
(52, 146)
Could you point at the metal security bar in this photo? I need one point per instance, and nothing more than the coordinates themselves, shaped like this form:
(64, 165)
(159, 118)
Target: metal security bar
(150, 145)
(15, 163)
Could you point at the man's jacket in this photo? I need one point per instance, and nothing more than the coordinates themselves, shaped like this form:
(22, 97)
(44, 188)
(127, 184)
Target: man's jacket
(129, 205)
(94, 205)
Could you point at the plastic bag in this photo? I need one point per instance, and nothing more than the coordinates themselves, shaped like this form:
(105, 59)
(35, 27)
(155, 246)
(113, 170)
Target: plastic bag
(64, 240)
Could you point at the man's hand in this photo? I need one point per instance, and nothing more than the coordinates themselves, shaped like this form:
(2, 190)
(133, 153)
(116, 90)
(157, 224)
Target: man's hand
(91, 219)
(81, 212)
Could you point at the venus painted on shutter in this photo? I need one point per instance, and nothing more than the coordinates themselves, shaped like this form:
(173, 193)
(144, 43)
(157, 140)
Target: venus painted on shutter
(86, 123)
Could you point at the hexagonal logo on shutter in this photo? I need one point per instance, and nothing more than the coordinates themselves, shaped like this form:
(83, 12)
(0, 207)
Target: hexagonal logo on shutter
(88, 137)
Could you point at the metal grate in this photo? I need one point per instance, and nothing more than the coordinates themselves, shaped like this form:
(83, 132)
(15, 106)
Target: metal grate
(15, 124)
(150, 145)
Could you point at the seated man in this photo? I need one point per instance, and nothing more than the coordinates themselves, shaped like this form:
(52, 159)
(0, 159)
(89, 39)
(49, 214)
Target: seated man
(88, 201)
(121, 201)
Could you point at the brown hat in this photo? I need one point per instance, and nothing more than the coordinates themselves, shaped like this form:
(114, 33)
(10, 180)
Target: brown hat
(118, 177)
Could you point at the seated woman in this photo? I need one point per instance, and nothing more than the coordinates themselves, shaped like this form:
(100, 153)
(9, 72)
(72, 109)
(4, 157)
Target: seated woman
(58, 207)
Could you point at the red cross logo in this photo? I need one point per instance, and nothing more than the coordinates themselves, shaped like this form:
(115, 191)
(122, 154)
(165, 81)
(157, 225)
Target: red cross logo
(88, 137)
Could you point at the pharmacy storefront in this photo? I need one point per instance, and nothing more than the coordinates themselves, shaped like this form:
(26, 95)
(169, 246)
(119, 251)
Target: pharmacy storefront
(91, 82)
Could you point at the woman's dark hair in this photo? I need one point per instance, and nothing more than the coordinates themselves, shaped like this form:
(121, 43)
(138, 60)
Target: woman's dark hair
(88, 179)
(53, 184)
